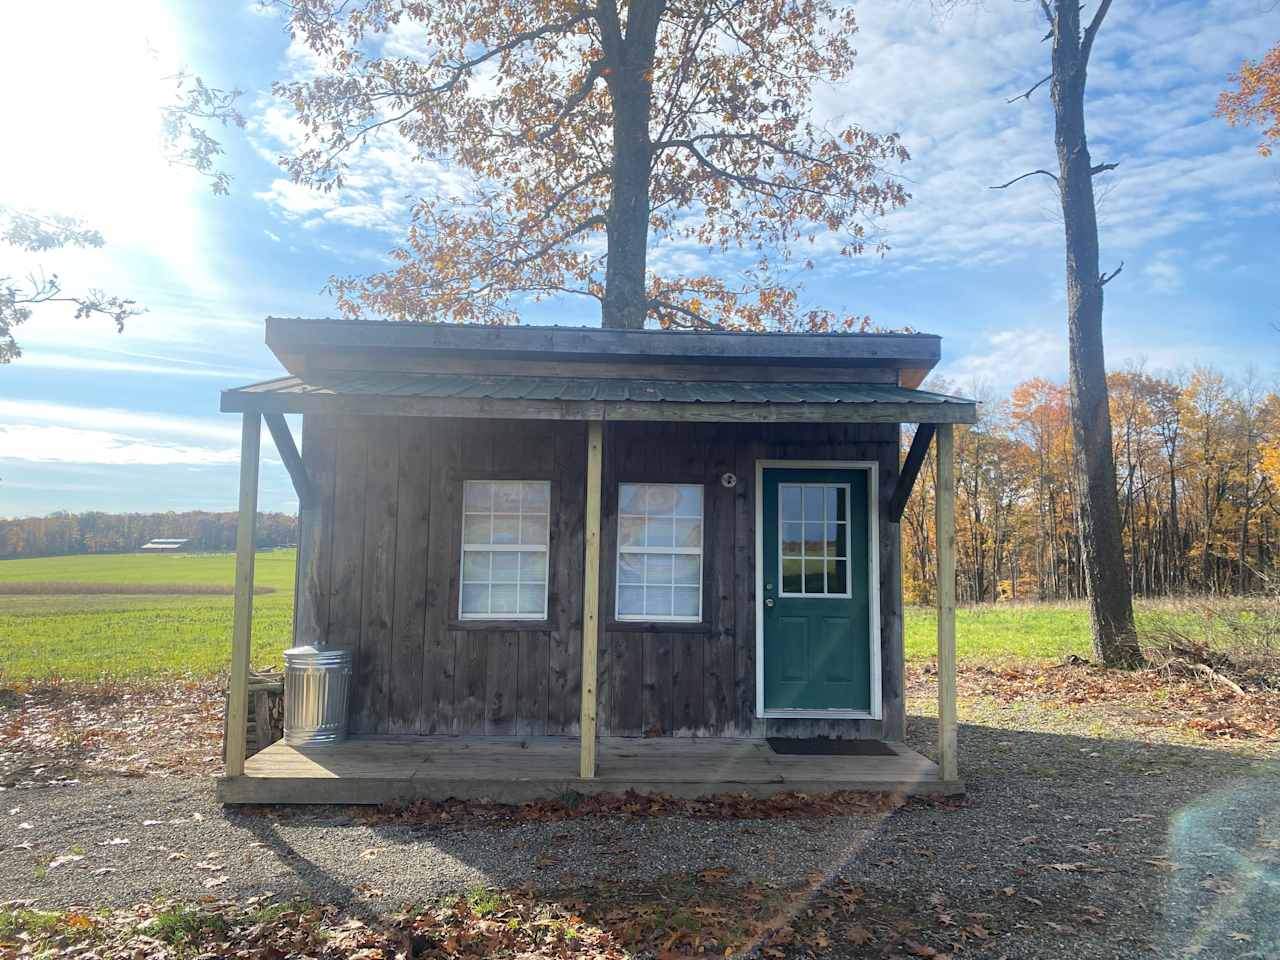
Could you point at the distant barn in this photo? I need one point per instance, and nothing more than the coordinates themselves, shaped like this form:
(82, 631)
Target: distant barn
(165, 545)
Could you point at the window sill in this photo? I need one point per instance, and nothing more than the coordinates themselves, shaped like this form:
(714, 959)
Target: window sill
(491, 625)
(657, 626)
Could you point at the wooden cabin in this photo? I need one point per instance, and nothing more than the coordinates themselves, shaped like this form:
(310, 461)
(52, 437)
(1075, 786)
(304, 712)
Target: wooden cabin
(576, 558)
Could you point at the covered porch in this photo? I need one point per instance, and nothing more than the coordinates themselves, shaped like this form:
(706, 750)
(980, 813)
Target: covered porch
(372, 770)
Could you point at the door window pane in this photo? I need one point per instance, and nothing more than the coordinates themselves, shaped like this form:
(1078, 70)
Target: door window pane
(505, 525)
(813, 541)
(659, 552)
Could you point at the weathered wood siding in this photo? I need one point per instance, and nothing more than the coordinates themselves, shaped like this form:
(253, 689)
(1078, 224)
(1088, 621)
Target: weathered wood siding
(381, 555)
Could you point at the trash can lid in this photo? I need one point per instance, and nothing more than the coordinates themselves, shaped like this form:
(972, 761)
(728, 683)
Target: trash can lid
(309, 653)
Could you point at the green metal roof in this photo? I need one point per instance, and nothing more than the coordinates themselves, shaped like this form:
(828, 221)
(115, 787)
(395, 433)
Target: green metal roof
(441, 394)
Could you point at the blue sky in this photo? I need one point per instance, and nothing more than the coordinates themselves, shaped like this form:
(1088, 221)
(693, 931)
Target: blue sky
(94, 420)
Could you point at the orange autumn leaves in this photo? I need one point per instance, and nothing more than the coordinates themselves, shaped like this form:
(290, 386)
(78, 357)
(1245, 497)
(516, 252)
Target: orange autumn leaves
(1255, 100)
(517, 104)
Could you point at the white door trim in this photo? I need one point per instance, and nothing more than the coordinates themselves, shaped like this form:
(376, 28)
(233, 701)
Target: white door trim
(873, 587)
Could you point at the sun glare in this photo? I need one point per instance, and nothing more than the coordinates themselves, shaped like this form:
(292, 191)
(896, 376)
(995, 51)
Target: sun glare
(86, 81)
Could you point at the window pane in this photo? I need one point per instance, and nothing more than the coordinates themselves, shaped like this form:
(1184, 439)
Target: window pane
(477, 496)
(792, 534)
(689, 501)
(687, 533)
(631, 568)
(475, 599)
(533, 530)
(685, 568)
(814, 581)
(477, 530)
(475, 565)
(685, 602)
(660, 532)
(814, 537)
(505, 565)
(533, 567)
(631, 532)
(531, 599)
(791, 508)
(506, 529)
(506, 497)
(502, 599)
(631, 498)
(631, 601)
(837, 537)
(657, 568)
(842, 505)
(838, 577)
(657, 601)
(792, 577)
(536, 498)
(813, 505)
(658, 519)
(660, 499)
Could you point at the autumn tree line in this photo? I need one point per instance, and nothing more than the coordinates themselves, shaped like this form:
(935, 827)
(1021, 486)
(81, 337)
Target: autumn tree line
(62, 534)
(1197, 459)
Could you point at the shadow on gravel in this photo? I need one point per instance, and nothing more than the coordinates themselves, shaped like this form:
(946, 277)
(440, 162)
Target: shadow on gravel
(1085, 845)
(1133, 846)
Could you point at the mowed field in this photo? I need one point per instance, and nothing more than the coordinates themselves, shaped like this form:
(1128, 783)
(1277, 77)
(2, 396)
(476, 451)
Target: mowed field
(87, 635)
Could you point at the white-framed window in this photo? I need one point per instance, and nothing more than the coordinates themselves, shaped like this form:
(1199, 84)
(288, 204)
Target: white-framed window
(659, 552)
(505, 527)
(813, 539)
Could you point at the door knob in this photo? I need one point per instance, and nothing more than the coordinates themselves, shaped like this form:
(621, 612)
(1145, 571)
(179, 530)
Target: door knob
(768, 601)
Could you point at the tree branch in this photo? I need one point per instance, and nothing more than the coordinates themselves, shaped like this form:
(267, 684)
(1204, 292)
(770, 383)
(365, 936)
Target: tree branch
(1046, 173)
(1091, 31)
(657, 305)
(1034, 87)
(574, 99)
(1102, 168)
(1108, 277)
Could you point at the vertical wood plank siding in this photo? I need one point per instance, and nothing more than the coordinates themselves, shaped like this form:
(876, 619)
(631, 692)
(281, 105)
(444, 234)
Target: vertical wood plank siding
(380, 568)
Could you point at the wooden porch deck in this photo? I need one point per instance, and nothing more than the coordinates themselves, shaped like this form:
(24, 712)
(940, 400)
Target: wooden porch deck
(515, 769)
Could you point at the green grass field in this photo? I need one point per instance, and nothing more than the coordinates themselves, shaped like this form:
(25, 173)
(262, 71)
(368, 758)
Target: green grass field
(89, 636)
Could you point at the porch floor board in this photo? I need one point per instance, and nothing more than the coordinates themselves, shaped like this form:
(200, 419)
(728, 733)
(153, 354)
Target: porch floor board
(518, 769)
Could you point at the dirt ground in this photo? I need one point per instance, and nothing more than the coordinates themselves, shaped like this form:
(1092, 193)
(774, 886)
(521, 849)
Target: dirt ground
(1091, 828)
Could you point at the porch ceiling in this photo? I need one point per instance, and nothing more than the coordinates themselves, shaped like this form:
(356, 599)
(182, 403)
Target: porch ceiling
(584, 398)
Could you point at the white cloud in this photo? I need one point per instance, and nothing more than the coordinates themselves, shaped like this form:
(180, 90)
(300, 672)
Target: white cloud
(57, 444)
(943, 83)
(108, 419)
(1164, 274)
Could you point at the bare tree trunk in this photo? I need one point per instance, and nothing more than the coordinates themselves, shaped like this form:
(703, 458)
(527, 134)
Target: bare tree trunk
(1115, 640)
(630, 82)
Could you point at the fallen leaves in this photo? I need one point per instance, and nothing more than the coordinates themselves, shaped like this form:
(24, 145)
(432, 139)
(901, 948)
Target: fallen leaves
(1147, 698)
(56, 732)
(630, 804)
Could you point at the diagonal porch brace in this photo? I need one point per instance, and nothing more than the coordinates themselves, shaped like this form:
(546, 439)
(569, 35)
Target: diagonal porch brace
(289, 454)
(910, 470)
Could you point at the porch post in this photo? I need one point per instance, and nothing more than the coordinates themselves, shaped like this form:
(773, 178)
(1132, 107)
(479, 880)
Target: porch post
(945, 524)
(591, 599)
(238, 696)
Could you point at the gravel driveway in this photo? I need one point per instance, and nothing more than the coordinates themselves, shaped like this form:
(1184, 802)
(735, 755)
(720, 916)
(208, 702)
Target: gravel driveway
(180, 840)
(1066, 846)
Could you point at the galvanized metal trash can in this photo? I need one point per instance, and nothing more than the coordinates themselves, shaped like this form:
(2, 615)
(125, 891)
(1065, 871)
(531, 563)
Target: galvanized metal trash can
(317, 685)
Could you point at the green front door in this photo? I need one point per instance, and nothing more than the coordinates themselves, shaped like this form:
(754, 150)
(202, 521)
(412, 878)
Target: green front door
(817, 611)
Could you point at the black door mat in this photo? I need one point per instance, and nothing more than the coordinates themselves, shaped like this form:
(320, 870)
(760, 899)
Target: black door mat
(826, 746)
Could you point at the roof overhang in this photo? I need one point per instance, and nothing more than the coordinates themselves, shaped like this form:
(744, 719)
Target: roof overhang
(582, 398)
(304, 346)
